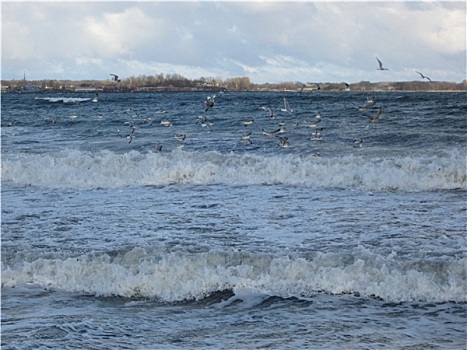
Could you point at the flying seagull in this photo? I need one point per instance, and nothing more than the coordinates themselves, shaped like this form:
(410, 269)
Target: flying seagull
(375, 119)
(286, 107)
(268, 109)
(358, 143)
(283, 141)
(380, 65)
(274, 132)
(115, 78)
(315, 84)
(132, 132)
(166, 122)
(209, 103)
(180, 137)
(246, 138)
(423, 76)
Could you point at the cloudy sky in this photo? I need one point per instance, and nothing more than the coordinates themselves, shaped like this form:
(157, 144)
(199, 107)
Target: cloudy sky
(307, 41)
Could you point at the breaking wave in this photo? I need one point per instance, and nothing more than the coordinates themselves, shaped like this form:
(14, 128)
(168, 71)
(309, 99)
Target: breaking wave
(193, 276)
(105, 169)
(63, 99)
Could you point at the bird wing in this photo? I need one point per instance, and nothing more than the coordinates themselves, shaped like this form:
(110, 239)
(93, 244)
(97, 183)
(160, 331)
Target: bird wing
(379, 62)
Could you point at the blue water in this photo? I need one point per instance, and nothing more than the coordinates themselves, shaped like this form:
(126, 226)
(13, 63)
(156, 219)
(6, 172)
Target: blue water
(218, 243)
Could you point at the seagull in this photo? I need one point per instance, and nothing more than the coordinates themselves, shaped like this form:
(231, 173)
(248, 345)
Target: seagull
(246, 138)
(207, 124)
(247, 123)
(375, 119)
(132, 133)
(317, 135)
(370, 101)
(274, 132)
(317, 85)
(358, 143)
(147, 121)
(96, 98)
(209, 103)
(380, 65)
(286, 107)
(115, 78)
(423, 76)
(313, 124)
(268, 109)
(159, 147)
(284, 141)
(166, 123)
(180, 137)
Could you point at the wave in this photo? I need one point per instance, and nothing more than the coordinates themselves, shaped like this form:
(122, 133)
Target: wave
(194, 276)
(63, 99)
(105, 169)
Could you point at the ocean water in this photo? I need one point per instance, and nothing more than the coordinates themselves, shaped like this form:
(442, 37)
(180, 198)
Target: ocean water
(215, 242)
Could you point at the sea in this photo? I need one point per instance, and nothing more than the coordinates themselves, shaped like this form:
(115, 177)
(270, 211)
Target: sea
(145, 221)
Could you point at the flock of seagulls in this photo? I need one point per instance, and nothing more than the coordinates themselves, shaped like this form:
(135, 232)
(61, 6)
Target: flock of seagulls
(278, 133)
(246, 137)
(288, 118)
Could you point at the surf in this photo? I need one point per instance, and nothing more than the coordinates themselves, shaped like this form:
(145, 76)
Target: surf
(72, 168)
(64, 99)
(182, 276)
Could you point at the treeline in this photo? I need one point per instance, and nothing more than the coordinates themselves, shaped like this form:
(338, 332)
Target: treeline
(160, 82)
(177, 82)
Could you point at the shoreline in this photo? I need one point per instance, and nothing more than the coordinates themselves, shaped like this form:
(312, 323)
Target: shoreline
(136, 91)
(235, 84)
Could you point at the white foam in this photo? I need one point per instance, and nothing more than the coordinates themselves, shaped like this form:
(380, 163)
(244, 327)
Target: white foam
(64, 99)
(78, 169)
(187, 276)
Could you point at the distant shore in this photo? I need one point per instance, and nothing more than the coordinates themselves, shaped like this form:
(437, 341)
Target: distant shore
(180, 84)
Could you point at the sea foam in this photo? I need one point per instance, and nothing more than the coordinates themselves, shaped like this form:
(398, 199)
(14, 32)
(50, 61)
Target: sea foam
(84, 170)
(63, 99)
(194, 276)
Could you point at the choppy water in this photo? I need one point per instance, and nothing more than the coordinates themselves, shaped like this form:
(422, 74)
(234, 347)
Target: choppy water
(218, 243)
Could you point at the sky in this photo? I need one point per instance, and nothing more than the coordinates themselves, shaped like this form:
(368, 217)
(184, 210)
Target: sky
(267, 41)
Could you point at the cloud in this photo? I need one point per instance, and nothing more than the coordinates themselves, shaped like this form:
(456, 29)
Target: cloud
(119, 33)
(443, 35)
(18, 46)
(267, 41)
